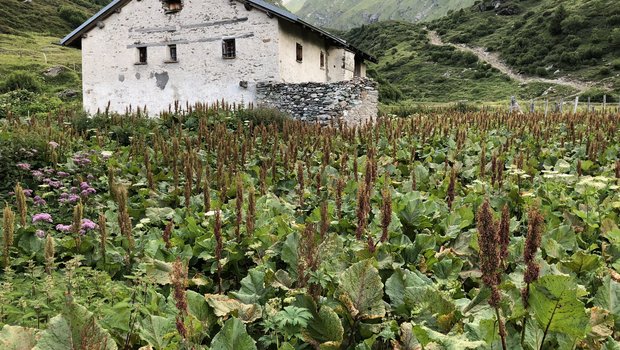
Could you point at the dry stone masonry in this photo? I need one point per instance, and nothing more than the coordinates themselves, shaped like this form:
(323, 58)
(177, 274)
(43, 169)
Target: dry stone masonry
(354, 101)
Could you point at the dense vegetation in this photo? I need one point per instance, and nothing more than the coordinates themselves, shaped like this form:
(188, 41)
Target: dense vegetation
(580, 38)
(208, 230)
(347, 14)
(411, 69)
(51, 17)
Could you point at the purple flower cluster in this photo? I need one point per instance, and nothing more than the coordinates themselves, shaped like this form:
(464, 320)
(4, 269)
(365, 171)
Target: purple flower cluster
(87, 225)
(62, 174)
(68, 198)
(52, 183)
(42, 217)
(86, 190)
(39, 201)
(53, 144)
(40, 233)
(63, 228)
(27, 192)
(81, 159)
(23, 166)
(37, 174)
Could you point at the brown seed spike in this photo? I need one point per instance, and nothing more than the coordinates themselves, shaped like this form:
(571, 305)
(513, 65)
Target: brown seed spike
(504, 234)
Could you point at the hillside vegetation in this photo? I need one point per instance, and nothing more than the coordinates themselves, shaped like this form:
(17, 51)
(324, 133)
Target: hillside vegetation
(347, 14)
(547, 38)
(52, 17)
(410, 68)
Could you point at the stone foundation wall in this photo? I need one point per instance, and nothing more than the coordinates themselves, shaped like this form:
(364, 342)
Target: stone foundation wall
(353, 101)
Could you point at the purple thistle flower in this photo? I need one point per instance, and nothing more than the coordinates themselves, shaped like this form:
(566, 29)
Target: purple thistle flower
(42, 217)
(62, 174)
(28, 192)
(40, 233)
(55, 184)
(23, 166)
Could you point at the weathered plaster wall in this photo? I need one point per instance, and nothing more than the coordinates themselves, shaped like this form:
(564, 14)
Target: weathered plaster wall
(110, 54)
(309, 70)
(353, 101)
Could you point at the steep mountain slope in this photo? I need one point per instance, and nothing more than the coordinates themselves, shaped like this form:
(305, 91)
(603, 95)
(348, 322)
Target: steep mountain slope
(547, 38)
(53, 17)
(411, 68)
(346, 14)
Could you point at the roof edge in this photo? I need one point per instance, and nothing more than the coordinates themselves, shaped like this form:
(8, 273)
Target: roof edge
(70, 39)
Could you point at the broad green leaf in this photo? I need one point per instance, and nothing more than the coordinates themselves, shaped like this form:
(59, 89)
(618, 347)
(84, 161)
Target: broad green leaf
(157, 215)
(581, 262)
(198, 306)
(223, 306)
(408, 341)
(18, 338)
(608, 297)
(361, 290)
(155, 330)
(397, 283)
(448, 268)
(554, 303)
(448, 341)
(325, 329)
(289, 253)
(75, 329)
(233, 336)
(252, 287)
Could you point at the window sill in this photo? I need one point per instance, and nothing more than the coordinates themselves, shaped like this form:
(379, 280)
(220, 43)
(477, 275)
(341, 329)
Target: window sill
(300, 61)
(170, 12)
(229, 58)
(171, 61)
(140, 64)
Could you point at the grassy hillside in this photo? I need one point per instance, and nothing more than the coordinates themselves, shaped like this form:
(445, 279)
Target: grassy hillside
(411, 69)
(547, 38)
(346, 14)
(52, 17)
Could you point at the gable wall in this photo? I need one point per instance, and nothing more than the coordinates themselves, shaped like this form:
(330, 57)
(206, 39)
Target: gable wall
(110, 54)
(309, 70)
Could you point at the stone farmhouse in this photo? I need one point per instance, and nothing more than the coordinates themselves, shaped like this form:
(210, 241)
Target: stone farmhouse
(151, 53)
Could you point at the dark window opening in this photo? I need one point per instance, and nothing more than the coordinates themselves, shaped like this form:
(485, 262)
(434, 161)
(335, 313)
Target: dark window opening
(142, 55)
(172, 6)
(173, 52)
(322, 60)
(229, 49)
(300, 53)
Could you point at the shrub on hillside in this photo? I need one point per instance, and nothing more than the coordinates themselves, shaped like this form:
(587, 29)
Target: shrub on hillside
(72, 16)
(21, 81)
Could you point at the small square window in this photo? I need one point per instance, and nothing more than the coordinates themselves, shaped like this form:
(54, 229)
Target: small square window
(229, 49)
(172, 6)
(322, 60)
(172, 49)
(142, 55)
(300, 53)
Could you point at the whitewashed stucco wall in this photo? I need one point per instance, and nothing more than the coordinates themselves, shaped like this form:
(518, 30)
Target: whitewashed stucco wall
(309, 69)
(109, 55)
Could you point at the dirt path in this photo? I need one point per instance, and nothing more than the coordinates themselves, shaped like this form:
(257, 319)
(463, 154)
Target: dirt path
(494, 60)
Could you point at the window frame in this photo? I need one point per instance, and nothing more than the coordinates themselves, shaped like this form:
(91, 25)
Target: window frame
(168, 9)
(229, 48)
(142, 55)
(299, 53)
(173, 53)
(322, 59)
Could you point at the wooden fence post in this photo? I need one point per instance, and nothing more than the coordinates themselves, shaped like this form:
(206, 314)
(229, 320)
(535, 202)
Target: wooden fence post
(576, 104)
(588, 112)
(532, 106)
(546, 106)
(604, 103)
(561, 105)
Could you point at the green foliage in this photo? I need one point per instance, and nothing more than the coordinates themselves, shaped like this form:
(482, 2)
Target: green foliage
(555, 303)
(233, 336)
(20, 81)
(73, 16)
(286, 285)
